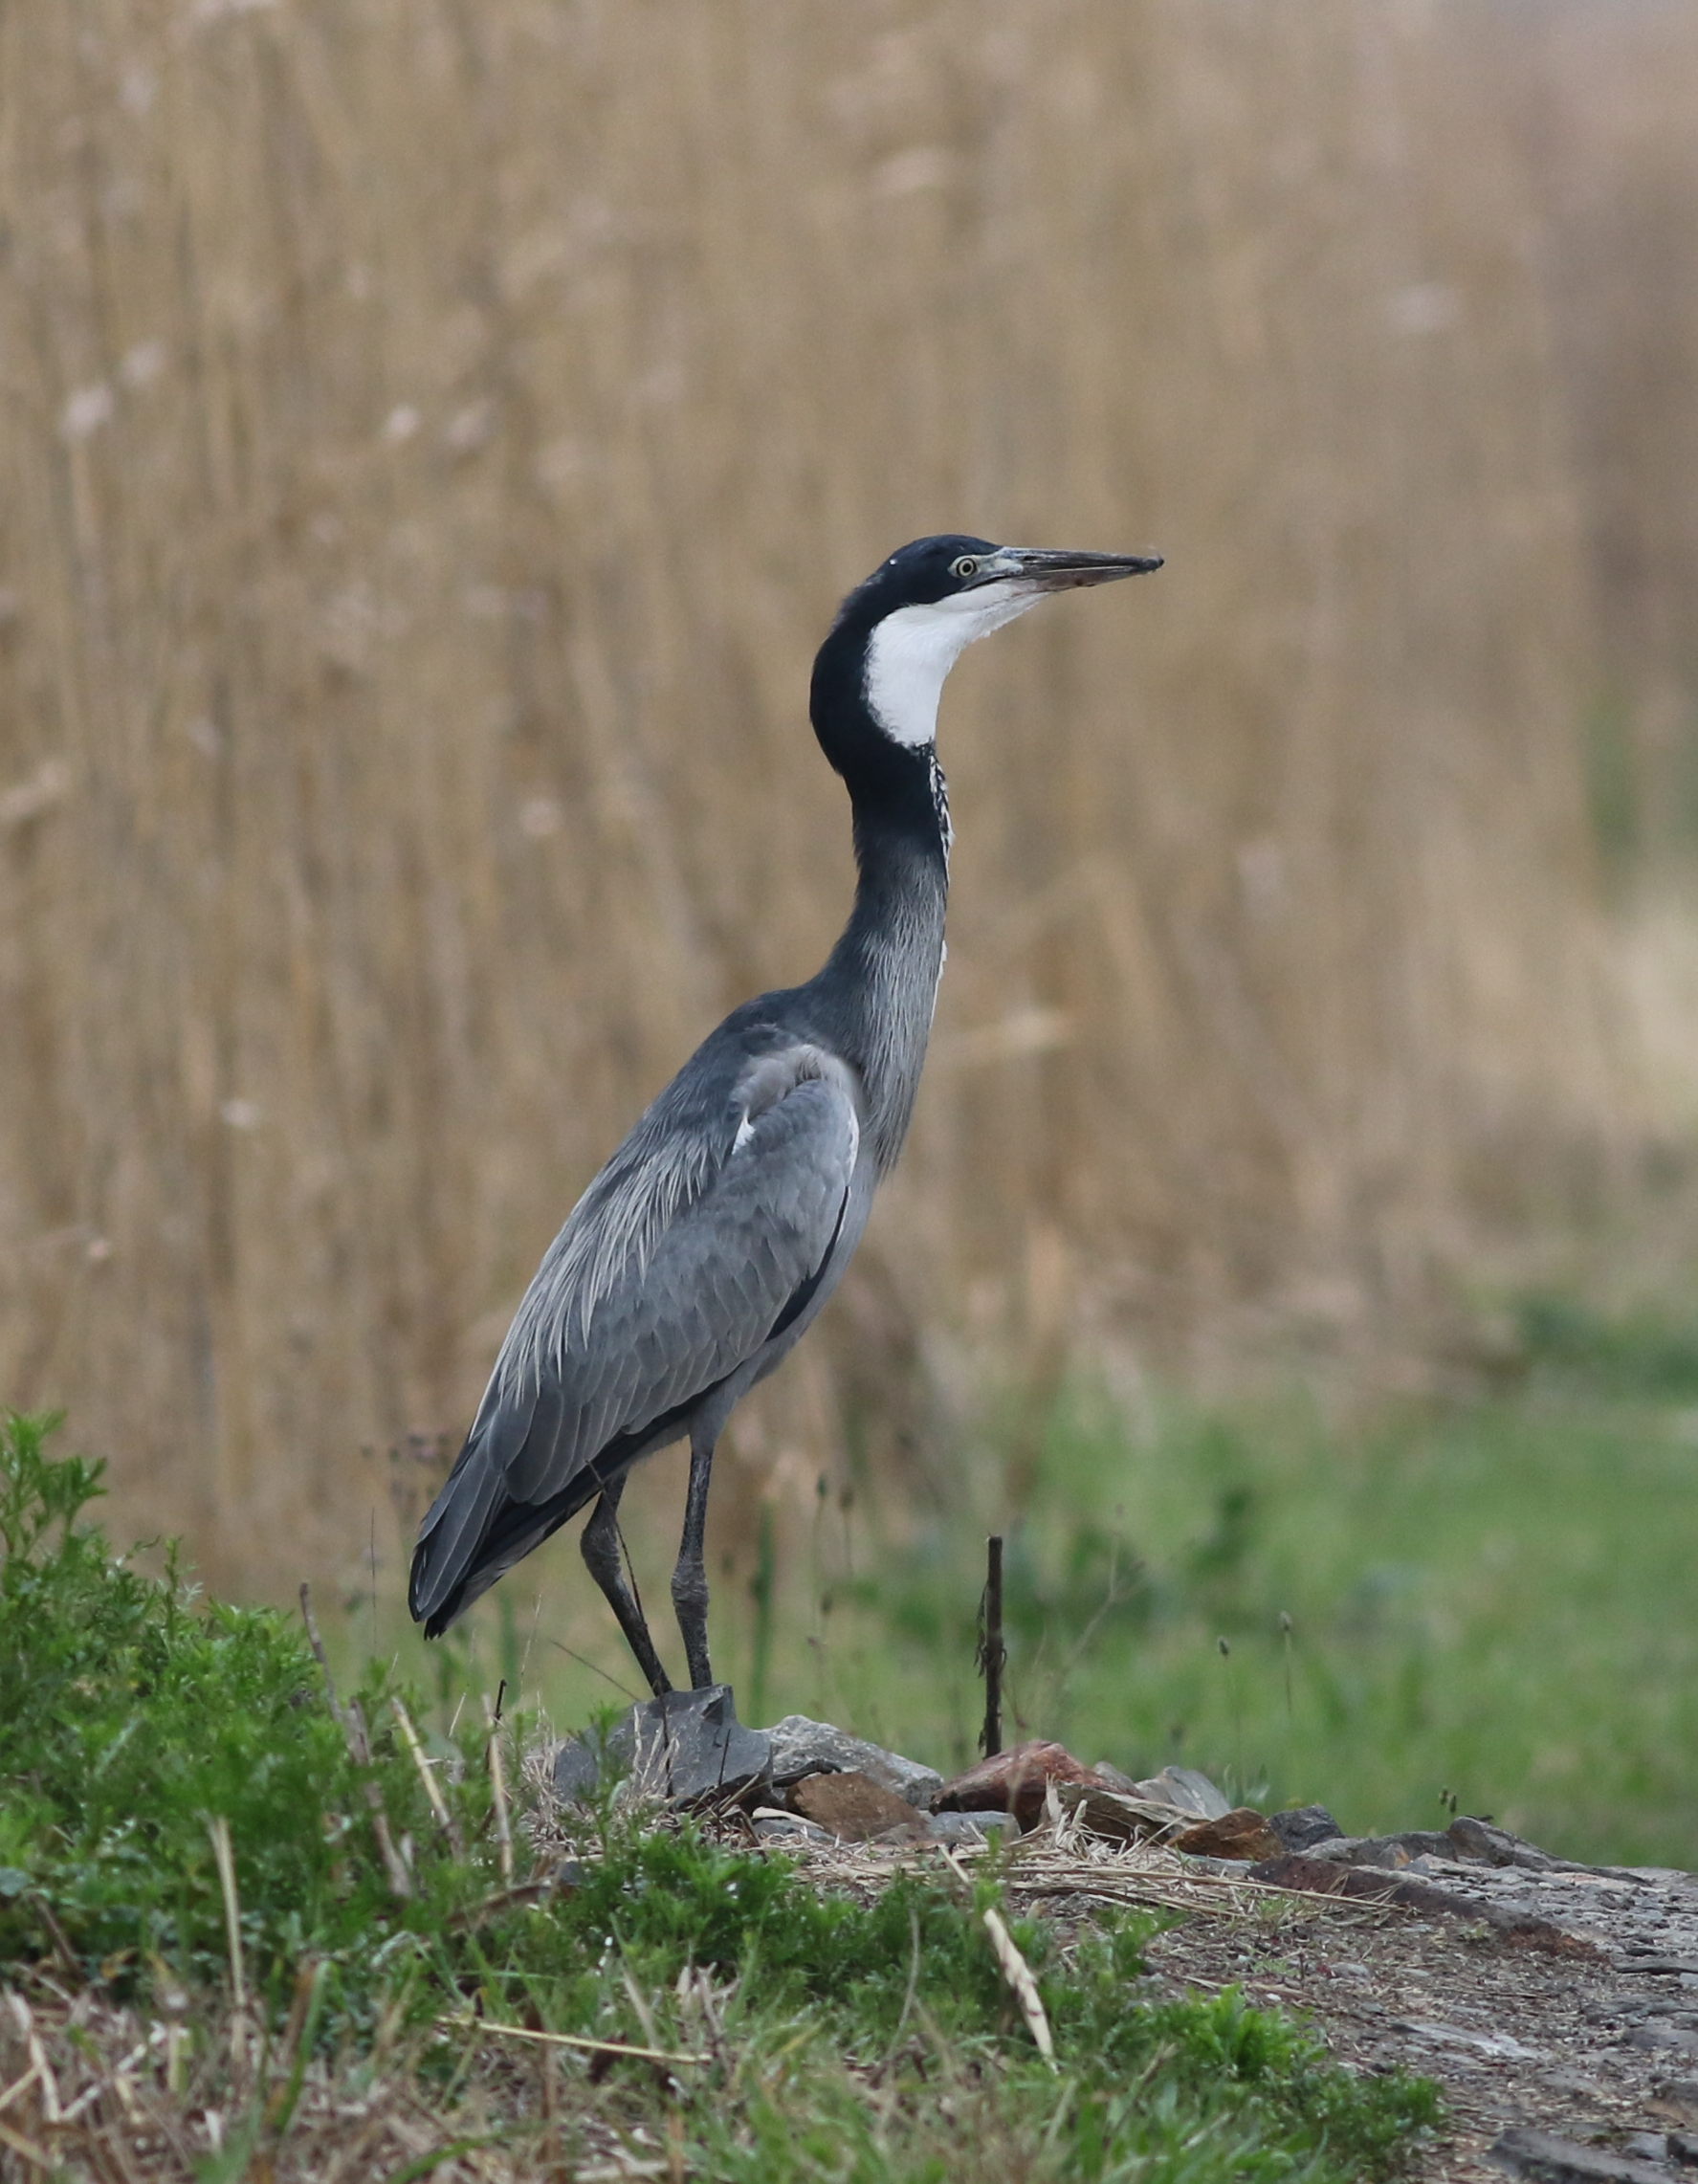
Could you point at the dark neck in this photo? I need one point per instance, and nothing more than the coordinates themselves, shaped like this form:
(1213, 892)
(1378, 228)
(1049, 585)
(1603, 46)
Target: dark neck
(880, 982)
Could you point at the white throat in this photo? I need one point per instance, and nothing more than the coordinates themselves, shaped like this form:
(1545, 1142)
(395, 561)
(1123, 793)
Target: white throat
(911, 653)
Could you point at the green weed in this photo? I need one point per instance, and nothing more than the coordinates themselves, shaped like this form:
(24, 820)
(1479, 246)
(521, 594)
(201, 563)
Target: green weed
(816, 2035)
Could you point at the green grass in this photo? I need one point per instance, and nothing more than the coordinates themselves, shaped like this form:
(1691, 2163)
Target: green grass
(1493, 1601)
(830, 2036)
(1489, 1599)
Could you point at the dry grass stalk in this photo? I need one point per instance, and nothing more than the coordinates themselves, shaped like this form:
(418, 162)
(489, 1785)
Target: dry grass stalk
(570, 2039)
(1018, 1973)
(445, 1818)
(499, 1791)
(218, 1828)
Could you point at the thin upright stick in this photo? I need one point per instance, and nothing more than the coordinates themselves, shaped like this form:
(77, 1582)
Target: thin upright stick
(498, 1788)
(991, 1651)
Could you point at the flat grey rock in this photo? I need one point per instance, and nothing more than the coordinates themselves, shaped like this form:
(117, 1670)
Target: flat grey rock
(972, 1827)
(1667, 2040)
(1182, 1788)
(800, 1747)
(685, 1749)
(1547, 2160)
(1479, 1841)
(773, 1826)
(1391, 1853)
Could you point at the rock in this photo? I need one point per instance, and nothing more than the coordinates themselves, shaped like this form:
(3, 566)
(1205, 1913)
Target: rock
(972, 1827)
(853, 1807)
(1667, 2040)
(802, 1747)
(1184, 1789)
(1242, 1834)
(1014, 1781)
(1499, 2045)
(1683, 2092)
(1314, 1876)
(1647, 2145)
(1388, 1852)
(685, 1748)
(1548, 2160)
(773, 1826)
(1305, 1827)
(1482, 1843)
(1115, 1816)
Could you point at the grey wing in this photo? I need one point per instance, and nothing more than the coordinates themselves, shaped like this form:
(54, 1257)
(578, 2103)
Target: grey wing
(706, 1237)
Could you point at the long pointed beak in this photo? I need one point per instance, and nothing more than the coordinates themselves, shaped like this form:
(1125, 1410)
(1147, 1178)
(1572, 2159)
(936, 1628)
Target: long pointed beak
(1054, 569)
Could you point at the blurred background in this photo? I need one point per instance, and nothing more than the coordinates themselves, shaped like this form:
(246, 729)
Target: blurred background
(436, 438)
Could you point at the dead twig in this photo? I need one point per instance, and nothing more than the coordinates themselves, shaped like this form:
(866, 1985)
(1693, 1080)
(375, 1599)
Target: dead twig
(570, 2040)
(992, 1652)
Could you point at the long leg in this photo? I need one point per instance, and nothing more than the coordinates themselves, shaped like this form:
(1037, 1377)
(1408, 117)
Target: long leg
(603, 1557)
(690, 1574)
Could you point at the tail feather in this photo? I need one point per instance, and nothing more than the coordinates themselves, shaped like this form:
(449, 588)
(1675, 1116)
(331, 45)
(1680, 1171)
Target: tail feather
(476, 1527)
(450, 1538)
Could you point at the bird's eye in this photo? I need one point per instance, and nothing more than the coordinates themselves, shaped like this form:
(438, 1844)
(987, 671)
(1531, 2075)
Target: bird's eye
(965, 568)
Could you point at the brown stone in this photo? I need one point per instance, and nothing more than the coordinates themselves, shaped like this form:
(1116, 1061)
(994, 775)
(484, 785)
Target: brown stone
(853, 1807)
(1243, 1833)
(1112, 1817)
(1014, 1781)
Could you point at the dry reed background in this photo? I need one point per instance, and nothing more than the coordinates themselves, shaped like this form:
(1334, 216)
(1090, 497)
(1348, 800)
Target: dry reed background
(436, 437)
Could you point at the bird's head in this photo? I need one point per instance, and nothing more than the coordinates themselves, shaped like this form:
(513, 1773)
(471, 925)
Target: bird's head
(898, 634)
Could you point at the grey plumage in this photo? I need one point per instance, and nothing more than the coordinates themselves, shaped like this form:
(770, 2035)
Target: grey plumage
(713, 1236)
(695, 1260)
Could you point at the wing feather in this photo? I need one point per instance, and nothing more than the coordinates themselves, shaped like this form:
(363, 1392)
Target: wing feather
(674, 1270)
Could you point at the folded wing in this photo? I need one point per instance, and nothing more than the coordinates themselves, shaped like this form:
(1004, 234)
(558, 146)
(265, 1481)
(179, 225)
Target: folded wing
(696, 1248)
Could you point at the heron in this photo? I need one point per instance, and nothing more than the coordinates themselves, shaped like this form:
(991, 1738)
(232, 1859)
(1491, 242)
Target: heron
(709, 1244)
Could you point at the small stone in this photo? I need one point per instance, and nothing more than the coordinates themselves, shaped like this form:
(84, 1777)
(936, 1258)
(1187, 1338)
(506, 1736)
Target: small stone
(852, 1806)
(1547, 2160)
(1647, 2145)
(1184, 1789)
(1682, 2146)
(802, 1747)
(972, 1827)
(1014, 1781)
(1242, 1834)
(685, 1748)
(774, 1826)
(1305, 1827)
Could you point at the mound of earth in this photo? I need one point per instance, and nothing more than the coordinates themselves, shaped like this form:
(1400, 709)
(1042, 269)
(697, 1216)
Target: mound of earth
(1554, 2003)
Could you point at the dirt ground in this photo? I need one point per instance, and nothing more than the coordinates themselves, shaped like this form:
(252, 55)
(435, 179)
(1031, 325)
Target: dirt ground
(1586, 2031)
